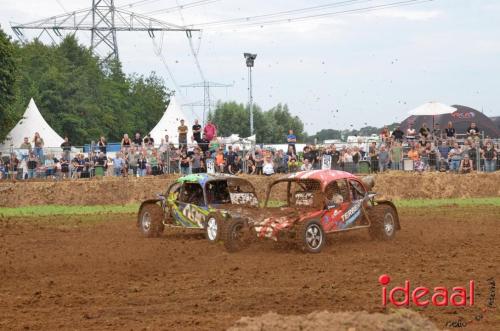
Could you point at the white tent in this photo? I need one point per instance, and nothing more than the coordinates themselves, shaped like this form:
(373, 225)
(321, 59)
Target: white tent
(169, 123)
(31, 122)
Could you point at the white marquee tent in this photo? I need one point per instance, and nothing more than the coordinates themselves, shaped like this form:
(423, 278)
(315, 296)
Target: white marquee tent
(169, 123)
(31, 122)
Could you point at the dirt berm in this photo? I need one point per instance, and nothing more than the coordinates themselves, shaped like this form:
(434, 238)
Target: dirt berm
(343, 321)
(128, 190)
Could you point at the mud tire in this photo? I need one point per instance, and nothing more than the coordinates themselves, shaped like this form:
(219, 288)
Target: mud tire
(383, 222)
(235, 234)
(151, 220)
(310, 236)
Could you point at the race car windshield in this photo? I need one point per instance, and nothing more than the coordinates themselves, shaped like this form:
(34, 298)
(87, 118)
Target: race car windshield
(294, 193)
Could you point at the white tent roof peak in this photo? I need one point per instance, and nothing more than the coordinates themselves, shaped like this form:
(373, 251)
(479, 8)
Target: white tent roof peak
(170, 121)
(31, 122)
(432, 108)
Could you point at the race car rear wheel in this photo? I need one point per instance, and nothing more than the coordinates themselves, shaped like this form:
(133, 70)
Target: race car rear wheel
(310, 236)
(235, 235)
(383, 222)
(213, 227)
(150, 220)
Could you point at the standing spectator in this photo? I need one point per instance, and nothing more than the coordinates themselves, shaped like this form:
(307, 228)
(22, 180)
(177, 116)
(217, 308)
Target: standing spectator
(132, 164)
(450, 132)
(196, 131)
(66, 147)
(383, 159)
(102, 145)
(268, 165)
(153, 162)
(291, 139)
(335, 157)
(236, 167)
(26, 145)
(372, 153)
(473, 131)
(466, 165)
(50, 166)
(185, 163)
(306, 165)
(100, 164)
(455, 156)
(173, 158)
(396, 155)
(230, 156)
(142, 165)
(149, 142)
(196, 161)
(32, 164)
(398, 134)
(183, 132)
(309, 156)
(384, 134)
(444, 149)
(410, 133)
(490, 156)
(219, 161)
(12, 166)
(137, 139)
(210, 131)
(413, 154)
(126, 142)
(251, 169)
(424, 133)
(356, 157)
(280, 163)
(258, 158)
(293, 166)
(473, 154)
(64, 167)
(204, 143)
(437, 133)
(118, 164)
(38, 143)
(291, 152)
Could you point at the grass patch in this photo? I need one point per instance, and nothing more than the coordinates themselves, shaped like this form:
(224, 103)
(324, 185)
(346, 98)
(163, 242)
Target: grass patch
(56, 210)
(461, 202)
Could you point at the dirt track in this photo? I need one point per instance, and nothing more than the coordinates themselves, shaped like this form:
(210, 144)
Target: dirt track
(394, 185)
(58, 274)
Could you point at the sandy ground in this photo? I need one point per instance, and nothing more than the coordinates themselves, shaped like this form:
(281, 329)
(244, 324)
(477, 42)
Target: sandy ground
(393, 185)
(81, 273)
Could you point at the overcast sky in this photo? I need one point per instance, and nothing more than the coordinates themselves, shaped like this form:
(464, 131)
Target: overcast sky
(371, 67)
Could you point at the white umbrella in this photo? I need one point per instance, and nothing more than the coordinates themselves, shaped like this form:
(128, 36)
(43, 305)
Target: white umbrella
(431, 109)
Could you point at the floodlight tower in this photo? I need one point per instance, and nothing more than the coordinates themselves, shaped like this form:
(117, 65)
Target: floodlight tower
(250, 59)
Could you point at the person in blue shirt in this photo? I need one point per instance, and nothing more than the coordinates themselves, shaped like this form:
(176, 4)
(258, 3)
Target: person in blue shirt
(291, 139)
(118, 164)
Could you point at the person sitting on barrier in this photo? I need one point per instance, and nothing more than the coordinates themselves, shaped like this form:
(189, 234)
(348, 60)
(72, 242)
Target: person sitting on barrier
(466, 165)
(473, 131)
(410, 133)
(450, 132)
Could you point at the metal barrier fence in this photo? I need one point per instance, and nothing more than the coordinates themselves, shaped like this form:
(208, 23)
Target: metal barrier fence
(48, 163)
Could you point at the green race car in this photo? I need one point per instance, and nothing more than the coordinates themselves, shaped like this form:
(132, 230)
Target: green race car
(200, 202)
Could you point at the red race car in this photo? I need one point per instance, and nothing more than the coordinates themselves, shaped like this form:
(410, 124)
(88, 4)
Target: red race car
(308, 205)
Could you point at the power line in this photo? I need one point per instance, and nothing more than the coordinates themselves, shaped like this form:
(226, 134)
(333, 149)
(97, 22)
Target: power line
(180, 7)
(286, 12)
(247, 21)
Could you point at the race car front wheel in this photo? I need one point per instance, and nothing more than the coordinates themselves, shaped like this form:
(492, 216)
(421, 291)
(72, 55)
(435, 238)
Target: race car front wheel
(150, 220)
(213, 227)
(383, 222)
(310, 236)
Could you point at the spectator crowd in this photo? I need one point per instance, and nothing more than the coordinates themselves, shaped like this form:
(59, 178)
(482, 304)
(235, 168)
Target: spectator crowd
(422, 150)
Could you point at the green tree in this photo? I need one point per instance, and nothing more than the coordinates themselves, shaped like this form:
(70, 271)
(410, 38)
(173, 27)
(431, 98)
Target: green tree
(8, 72)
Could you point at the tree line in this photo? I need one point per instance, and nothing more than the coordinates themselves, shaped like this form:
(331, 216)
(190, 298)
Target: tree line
(84, 98)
